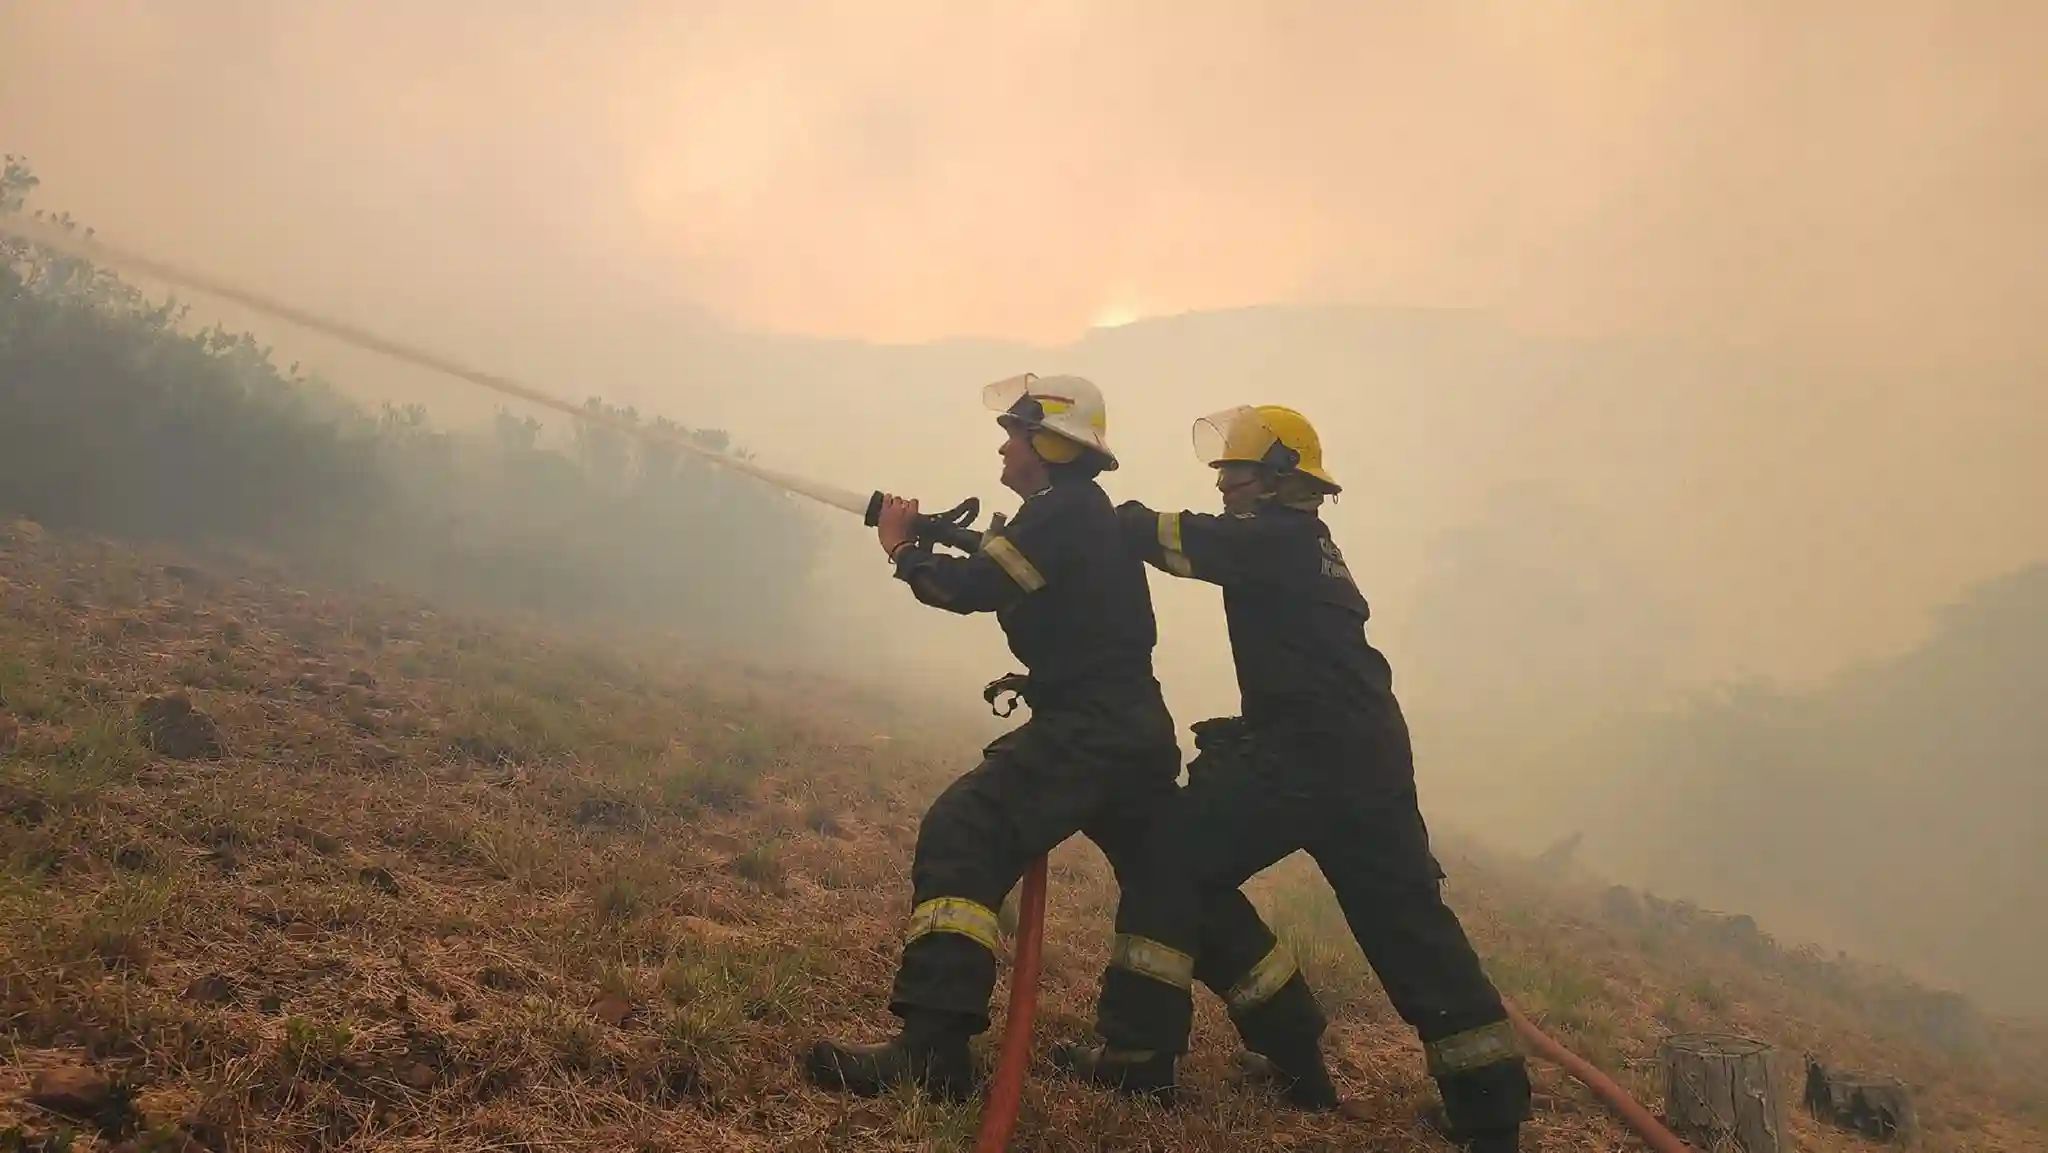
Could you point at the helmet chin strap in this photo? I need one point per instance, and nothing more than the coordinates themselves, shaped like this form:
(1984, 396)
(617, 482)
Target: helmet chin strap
(1266, 488)
(1296, 491)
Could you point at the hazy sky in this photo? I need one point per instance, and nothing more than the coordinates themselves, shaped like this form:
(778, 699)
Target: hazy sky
(1851, 184)
(1756, 287)
(1834, 172)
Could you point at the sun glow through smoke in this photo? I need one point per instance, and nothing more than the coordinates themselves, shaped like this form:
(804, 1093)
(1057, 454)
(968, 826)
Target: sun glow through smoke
(1115, 316)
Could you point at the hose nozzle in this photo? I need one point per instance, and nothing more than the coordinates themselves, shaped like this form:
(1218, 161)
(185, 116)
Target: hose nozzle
(949, 528)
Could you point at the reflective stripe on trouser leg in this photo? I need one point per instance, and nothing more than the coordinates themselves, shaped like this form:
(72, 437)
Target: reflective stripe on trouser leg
(970, 919)
(949, 961)
(1483, 1077)
(1145, 1005)
(1272, 1006)
(1264, 980)
(1472, 1049)
(1149, 958)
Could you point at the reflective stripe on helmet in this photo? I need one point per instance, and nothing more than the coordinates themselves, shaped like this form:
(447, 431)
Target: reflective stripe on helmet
(1149, 958)
(1020, 569)
(958, 915)
(1472, 1049)
(1265, 980)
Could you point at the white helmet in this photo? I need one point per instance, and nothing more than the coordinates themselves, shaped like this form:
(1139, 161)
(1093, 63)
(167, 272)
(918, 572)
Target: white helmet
(1065, 411)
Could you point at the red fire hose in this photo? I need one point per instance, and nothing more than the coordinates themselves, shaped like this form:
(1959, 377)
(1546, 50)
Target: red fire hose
(1612, 1095)
(1006, 1092)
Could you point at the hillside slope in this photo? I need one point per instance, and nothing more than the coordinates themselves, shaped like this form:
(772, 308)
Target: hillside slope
(408, 880)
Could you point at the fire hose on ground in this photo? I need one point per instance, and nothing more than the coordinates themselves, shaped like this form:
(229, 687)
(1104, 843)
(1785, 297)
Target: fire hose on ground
(1006, 1089)
(999, 1116)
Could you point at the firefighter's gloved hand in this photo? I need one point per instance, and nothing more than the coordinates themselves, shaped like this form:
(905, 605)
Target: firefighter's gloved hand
(896, 523)
(1216, 732)
(1219, 741)
(1009, 688)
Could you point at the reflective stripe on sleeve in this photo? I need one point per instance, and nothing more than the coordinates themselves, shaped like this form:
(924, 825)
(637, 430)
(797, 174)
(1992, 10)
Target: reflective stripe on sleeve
(1015, 563)
(1169, 531)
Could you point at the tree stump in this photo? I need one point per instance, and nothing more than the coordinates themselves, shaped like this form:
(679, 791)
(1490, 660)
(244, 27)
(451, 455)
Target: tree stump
(1876, 1106)
(1723, 1092)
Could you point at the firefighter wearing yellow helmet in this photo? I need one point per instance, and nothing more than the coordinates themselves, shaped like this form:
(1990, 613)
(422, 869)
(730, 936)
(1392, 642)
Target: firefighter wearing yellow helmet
(1098, 755)
(1318, 760)
(1279, 442)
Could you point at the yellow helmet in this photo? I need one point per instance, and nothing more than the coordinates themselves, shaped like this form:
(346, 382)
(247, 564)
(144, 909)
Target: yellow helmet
(1279, 438)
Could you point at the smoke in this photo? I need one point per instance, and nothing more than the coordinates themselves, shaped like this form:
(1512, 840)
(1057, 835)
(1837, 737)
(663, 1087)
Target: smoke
(1746, 294)
(1858, 176)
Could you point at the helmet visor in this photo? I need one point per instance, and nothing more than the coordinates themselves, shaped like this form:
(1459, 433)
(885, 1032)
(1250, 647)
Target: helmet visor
(1012, 397)
(1235, 434)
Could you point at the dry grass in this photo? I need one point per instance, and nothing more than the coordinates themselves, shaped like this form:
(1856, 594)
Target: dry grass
(459, 884)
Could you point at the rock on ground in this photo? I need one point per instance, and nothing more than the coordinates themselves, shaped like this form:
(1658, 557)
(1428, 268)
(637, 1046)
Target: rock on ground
(72, 1091)
(173, 727)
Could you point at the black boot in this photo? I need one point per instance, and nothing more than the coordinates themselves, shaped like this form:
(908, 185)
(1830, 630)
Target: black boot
(930, 1052)
(1133, 1073)
(1475, 1141)
(1300, 1077)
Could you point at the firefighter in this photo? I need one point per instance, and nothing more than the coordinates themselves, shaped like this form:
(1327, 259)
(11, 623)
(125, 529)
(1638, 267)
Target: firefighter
(1319, 760)
(1098, 755)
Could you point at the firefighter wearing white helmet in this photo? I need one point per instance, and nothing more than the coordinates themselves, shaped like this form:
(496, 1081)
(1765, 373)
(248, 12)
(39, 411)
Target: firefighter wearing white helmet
(1320, 760)
(1098, 755)
(1064, 416)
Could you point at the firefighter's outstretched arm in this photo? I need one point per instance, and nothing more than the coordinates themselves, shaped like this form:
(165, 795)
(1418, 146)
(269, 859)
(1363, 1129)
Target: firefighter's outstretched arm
(1013, 563)
(1217, 549)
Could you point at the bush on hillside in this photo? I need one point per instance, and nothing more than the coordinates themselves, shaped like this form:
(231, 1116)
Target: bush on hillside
(117, 417)
(1901, 804)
